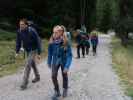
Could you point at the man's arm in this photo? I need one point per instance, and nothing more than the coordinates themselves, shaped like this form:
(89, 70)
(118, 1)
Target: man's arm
(18, 43)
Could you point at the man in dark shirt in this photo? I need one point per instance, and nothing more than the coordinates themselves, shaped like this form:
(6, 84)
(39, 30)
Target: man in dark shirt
(80, 44)
(28, 36)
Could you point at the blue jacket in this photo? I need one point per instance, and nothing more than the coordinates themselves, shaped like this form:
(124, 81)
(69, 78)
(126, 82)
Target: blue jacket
(58, 56)
(30, 40)
(78, 39)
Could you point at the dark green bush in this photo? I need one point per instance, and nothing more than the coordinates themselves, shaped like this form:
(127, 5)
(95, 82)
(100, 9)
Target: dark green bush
(5, 35)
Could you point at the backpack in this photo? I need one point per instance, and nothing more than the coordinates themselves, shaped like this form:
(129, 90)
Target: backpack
(32, 38)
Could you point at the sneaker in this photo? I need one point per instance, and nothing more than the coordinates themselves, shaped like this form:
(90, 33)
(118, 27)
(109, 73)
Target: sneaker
(36, 80)
(64, 93)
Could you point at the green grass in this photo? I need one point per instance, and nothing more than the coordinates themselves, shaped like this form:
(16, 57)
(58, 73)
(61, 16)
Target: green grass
(7, 49)
(8, 66)
(123, 64)
(7, 54)
(11, 68)
(5, 35)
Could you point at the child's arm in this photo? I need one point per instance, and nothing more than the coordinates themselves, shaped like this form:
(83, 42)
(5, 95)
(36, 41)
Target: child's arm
(49, 55)
(18, 42)
(68, 58)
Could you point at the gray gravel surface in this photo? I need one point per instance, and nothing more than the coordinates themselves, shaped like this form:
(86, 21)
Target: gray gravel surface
(90, 78)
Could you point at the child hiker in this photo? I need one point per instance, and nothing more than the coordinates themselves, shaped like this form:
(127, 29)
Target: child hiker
(31, 44)
(87, 44)
(94, 41)
(59, 56)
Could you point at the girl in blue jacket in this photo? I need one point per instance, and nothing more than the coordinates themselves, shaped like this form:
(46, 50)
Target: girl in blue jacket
(59, 56)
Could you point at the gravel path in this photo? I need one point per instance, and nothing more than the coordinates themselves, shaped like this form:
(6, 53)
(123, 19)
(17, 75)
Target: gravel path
(91, 78)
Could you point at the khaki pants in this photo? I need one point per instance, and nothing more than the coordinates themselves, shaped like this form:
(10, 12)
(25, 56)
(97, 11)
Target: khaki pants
(30, 63)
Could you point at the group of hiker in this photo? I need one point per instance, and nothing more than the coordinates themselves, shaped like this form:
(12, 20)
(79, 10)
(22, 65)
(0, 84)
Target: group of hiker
(59, 52)
(85, 41)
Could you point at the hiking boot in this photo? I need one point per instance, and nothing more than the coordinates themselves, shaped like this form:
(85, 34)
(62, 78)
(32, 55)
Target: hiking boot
(23, 87)
(77, 57)
(36, 80)
(56, 94)
(94, 54)
(64, 93)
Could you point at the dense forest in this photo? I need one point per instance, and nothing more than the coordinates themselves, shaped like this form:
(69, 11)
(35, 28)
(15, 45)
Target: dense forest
(103, 14)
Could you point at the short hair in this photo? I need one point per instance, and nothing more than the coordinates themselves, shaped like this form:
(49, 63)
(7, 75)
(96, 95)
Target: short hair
(24, 20)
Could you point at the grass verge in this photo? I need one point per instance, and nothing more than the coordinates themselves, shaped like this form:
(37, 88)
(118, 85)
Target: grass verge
(7, 50)
(123, 64)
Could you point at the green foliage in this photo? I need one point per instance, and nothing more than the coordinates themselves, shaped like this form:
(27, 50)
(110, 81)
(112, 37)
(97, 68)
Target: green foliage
(103, 14)
(107, 12)
(46, 32)
(125, 25)
(5, 35)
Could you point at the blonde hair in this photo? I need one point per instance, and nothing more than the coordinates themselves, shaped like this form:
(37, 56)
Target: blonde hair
(51, 38)
(65, 39)
(63, 29)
